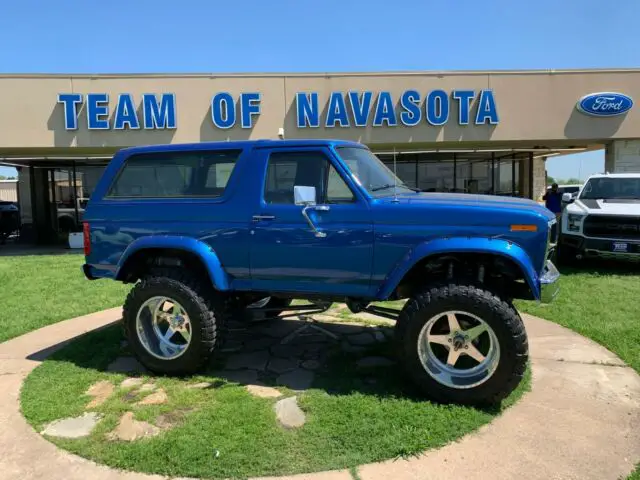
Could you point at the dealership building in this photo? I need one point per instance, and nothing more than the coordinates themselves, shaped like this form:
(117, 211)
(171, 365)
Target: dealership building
(486, 132)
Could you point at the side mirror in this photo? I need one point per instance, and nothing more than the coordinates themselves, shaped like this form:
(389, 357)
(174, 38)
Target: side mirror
(567, 198)
(304, 195)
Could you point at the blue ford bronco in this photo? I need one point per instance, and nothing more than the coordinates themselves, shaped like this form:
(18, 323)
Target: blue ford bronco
(210, 231)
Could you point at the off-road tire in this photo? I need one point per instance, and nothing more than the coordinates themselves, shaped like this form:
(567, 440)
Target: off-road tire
(206, 313)
(500, 315)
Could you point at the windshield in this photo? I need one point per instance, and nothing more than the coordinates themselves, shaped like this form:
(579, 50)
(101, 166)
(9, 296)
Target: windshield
(608, 188)
(371, 173)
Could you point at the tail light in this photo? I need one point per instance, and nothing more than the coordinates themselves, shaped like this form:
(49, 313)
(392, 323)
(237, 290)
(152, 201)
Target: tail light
(86, 237)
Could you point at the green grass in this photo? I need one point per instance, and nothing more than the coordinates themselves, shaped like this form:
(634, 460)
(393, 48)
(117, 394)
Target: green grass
(39, 290)
(602, 306)
(350, 420)
(350, 425)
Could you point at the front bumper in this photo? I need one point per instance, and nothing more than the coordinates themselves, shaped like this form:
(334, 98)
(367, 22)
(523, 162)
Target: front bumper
(549, 286)
(602, 248)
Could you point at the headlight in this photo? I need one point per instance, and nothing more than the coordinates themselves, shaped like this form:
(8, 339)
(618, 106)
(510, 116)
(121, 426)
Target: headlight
(574, 221)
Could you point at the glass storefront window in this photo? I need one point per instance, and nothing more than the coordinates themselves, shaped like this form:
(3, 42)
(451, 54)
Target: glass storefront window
(436, 176)
(507, 177)
(473, 176)
(474, 173)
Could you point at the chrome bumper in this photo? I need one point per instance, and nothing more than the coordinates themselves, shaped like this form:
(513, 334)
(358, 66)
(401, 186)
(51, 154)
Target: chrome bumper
(549, 287)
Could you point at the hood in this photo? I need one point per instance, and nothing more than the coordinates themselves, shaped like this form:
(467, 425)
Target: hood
(612, 206)
(471, 201)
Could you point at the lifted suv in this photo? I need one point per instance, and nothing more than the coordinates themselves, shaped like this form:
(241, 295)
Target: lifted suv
(604, 220)
(206, 230)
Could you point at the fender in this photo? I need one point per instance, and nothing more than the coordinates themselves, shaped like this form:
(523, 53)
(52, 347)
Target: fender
(218, 276)
(494, 246)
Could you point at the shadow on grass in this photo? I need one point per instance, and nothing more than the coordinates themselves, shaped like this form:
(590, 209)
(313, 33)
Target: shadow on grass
(594, 266)
(271, 354)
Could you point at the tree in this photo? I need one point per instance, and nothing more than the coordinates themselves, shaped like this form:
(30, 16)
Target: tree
(550, 180)
(573, 181)
(2, 177)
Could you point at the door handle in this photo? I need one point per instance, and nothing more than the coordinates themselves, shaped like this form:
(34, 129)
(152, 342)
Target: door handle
(259, 218)
(320, 208)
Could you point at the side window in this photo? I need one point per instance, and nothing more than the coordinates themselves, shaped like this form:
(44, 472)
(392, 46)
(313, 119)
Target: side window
(288, 169)
(337, 189)
(175, 175)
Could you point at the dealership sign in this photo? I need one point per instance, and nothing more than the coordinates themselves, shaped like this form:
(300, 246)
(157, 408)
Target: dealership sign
(605, 104)
(340, 109)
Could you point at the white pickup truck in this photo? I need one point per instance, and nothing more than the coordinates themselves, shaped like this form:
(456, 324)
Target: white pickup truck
(603, 220)
(67, 216)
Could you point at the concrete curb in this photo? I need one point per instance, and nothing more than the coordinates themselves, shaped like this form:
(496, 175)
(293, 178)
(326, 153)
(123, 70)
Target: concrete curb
(580, 421)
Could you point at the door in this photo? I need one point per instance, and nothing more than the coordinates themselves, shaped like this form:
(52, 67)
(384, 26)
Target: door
(331, 251)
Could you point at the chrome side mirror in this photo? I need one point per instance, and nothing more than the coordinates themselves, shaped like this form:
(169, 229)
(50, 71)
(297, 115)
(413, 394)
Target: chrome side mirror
(567, 198)
(304, 195)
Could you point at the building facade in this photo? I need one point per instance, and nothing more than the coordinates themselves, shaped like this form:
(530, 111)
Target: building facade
(473, 132)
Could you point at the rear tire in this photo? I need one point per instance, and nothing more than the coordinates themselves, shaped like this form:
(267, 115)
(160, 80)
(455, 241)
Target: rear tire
(200, 309)
(502, 342)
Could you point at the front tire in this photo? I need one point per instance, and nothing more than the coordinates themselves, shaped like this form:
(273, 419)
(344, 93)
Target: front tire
(172, 322)
(461, 344)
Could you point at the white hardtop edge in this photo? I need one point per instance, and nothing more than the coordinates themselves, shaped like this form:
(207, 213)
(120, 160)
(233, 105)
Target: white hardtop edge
(614, 175)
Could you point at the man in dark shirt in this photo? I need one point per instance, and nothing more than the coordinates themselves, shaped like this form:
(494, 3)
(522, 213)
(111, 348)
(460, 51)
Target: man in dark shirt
(553, 200)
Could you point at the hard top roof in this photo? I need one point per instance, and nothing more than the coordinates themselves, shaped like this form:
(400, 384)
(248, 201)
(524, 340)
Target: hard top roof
(243, 144)
(615, 175)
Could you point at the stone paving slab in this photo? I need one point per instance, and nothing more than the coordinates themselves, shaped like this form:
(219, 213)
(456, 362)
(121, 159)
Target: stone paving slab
(580, 421)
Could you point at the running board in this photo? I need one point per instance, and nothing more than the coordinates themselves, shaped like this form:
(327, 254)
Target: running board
(295, 310)
(385, 312)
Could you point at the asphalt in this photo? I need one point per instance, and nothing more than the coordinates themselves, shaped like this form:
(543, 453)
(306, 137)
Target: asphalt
(581, 419)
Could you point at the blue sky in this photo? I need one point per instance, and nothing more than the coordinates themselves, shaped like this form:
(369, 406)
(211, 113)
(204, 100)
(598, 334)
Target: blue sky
(141, 36)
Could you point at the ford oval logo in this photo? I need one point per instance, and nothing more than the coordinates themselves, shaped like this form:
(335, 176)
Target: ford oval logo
(605, 104)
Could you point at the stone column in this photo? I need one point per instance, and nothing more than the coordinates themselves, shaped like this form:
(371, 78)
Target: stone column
(539, 178)
(622, 156)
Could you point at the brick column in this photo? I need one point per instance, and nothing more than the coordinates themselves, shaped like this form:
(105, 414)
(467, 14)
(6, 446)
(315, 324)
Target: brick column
(622, 156)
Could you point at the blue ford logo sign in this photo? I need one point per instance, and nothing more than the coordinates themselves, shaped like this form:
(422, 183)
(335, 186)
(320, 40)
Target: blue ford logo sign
(605, 104)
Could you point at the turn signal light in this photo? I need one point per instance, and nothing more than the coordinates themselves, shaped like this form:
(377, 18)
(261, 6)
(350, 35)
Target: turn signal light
(524, 228)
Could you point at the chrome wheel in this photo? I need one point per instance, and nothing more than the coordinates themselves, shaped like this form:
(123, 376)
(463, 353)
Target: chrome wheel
(458, 349)
(163, 328)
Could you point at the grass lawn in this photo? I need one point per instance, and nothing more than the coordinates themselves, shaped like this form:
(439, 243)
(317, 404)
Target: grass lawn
(39, 290)
(349, 423)
(602, 305)
(353, 417)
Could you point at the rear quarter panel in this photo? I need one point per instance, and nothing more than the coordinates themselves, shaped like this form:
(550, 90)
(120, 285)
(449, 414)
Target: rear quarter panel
(219, 222)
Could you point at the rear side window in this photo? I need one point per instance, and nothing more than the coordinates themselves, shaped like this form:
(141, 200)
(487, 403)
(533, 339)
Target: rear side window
(175, 174)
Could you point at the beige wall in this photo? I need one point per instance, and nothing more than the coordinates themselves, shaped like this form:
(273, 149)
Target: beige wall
(534, 107)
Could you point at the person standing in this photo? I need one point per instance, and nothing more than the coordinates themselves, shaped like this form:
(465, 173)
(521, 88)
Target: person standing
(553, 200)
